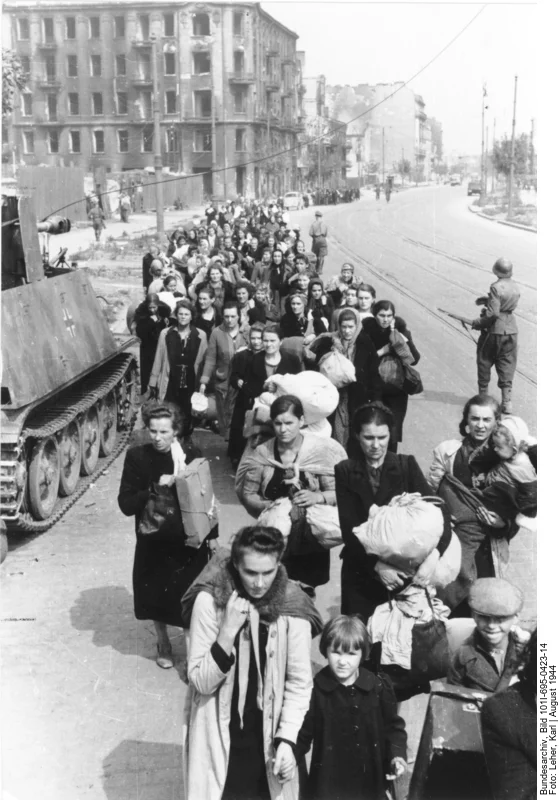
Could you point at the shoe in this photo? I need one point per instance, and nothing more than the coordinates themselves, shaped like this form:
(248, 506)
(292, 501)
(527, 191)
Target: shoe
(164, 658)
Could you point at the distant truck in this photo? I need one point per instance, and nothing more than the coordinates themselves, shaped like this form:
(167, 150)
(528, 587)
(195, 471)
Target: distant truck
(456, 179)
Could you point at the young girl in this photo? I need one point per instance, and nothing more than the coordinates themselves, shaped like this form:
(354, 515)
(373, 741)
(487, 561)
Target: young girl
(358, 739)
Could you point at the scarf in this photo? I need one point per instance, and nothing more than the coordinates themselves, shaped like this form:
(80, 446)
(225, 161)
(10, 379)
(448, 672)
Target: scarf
(343, 346)
(179, 457)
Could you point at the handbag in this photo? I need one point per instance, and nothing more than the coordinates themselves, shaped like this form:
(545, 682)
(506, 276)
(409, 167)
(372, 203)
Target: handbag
(161, 517)
(412, 380)
(430, 654)
(391, 371)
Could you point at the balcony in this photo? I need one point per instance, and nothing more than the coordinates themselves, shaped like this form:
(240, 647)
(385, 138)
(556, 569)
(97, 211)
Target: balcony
(273, 49)
(200, 43)
(420, 114)
(198, 118)
(51, 45)
(49, 82)
(288, 60)
(241, 78)
(142, 81)
(52, 121)
(139, 41)
(272, 83)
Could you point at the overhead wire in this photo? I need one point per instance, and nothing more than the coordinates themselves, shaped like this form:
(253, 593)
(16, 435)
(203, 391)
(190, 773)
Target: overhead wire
(312, 140)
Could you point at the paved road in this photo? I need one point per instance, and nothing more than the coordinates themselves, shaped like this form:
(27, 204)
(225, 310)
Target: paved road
(86, 711)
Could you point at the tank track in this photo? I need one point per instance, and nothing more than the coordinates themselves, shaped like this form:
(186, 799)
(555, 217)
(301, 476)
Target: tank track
(48, 421)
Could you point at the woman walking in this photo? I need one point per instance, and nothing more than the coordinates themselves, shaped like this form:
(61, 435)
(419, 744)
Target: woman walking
(178, 362)
(249, 673)
(381, 328)
(163, 566)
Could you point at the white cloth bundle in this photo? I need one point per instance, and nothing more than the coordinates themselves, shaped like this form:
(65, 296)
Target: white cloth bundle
(278, 515)
(337, 368)
(404, 532)
(317, 394)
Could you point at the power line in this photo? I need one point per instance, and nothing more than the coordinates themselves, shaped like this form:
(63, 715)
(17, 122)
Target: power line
(315, 139)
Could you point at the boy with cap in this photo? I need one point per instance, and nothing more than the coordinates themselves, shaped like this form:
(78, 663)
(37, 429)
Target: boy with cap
(490, 657)
(498, 344)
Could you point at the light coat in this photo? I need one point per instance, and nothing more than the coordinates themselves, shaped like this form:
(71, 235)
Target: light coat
(443, 462)
(161, 368)
(286, 693)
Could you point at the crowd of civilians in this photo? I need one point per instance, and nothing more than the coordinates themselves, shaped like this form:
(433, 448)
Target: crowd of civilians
(229, 304)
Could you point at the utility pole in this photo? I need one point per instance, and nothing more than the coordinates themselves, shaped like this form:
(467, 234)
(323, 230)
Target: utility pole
(214, 112)
(157, 159)
(532, 150)
(319, 165)
(511, 175)
(483, 175)
(383, 155)
(492, 157)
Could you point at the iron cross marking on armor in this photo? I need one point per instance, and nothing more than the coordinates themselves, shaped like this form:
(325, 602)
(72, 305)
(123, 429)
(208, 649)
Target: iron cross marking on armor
(69, 322)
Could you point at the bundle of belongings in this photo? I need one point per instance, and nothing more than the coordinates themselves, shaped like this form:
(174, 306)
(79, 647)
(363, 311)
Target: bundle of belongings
(413, 535)
(318, 396)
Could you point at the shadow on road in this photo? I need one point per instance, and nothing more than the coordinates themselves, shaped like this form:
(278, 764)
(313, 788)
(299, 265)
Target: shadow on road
(150, 770)
(108, 611)
(443, 397)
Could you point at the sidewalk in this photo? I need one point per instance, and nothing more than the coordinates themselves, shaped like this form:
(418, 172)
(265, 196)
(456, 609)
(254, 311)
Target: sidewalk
(81, 238)
(477, 210)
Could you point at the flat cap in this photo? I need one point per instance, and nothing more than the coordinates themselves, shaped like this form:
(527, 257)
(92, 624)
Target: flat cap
(495, 597)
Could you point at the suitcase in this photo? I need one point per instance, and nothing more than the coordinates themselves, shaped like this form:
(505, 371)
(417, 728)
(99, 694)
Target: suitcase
(197, 502)
(450, 763)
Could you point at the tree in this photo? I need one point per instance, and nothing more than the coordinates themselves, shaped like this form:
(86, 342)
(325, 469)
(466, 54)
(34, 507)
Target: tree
(403, 168)
(440, 169)
(13, 79)
(501, 156)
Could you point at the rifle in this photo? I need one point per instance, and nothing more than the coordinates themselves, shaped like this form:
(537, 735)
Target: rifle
(464, 321)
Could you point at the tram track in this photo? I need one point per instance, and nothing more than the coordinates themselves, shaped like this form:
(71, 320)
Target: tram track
(394, 283)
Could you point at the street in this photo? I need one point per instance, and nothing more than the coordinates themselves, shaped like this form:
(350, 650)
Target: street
(86, 711)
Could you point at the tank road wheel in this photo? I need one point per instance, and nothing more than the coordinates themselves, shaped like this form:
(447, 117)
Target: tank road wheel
(90, 430)
(70, 448)
(127, 398)
(44, 477)
(108, 423)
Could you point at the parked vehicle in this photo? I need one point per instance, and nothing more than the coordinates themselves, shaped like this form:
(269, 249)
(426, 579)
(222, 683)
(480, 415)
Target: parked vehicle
(455, 180)
(474, 187)
(293, 200)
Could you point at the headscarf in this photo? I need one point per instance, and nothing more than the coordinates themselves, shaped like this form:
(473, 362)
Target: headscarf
(346, 347)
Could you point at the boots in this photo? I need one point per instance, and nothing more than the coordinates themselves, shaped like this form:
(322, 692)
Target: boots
(506, 404)
(482, 389)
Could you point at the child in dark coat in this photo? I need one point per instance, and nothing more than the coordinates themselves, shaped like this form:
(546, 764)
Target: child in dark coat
(358, 739)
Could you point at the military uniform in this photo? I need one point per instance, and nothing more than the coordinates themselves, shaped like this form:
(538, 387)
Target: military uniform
(318, 233)
(498, 343)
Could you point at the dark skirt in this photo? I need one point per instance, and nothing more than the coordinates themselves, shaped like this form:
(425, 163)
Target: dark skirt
(162, 573)
(398, 404)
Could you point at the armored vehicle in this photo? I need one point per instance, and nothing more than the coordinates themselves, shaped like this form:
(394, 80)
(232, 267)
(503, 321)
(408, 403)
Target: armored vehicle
(68, 388)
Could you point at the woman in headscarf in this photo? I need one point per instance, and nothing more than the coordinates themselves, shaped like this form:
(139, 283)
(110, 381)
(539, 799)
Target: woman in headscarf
(178, 362)
(297, 465)
(150, 318)
(297, 321)
(206, 316)
(380, 328)
(349, 340)
(319, 301)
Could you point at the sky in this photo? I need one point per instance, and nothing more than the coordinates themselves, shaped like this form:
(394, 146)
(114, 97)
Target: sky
(366, 42)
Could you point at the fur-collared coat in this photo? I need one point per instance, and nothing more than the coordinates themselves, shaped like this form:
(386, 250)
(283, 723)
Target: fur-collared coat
(285, 688)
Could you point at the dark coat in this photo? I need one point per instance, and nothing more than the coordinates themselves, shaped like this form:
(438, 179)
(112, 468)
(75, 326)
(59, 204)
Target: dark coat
(509, 728)
(474, 668)
(263, 313)
(395, 399)
(257, 376)
(367, 386)
(292, 326)
(362, 591)
(163, 569)
(355, 733)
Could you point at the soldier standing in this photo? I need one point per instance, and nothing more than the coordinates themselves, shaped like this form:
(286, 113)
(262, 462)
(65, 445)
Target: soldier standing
(318, 233)
(498, 343)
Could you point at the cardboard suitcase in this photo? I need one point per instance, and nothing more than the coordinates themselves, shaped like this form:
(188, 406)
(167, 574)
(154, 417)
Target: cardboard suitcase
(450, 763)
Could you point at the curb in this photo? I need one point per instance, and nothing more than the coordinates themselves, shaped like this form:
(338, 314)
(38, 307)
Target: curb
(518, 225)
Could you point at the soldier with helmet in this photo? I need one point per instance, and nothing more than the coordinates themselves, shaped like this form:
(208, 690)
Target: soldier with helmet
(498, 343)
